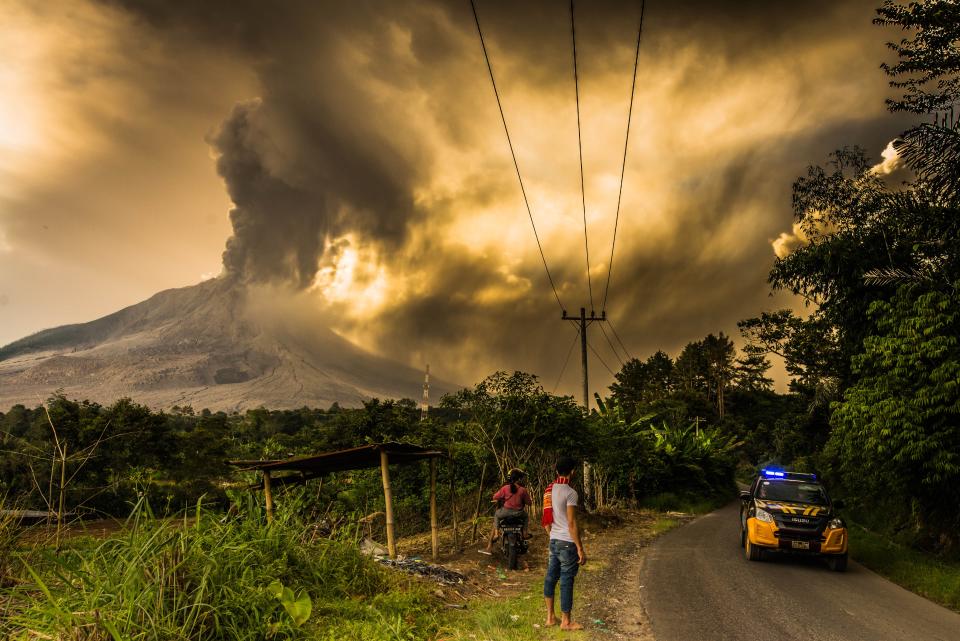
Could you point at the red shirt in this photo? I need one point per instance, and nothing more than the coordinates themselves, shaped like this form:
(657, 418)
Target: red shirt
(511, 500)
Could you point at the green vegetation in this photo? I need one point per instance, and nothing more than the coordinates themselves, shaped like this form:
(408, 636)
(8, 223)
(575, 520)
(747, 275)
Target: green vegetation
(935, 578)
(518, 618)
(206, 576)
(211, 578)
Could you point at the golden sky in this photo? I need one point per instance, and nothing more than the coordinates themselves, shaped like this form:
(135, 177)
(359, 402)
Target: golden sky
(360, 147)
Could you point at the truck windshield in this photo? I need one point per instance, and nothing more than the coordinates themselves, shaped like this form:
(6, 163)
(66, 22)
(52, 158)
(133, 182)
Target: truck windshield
(792, 491)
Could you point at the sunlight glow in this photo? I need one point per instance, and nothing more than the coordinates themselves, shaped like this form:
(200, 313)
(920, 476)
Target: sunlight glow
(23, 110)
(352, 278)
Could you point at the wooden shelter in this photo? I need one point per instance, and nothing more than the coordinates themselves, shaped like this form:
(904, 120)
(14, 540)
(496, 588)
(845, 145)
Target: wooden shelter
(305, 468)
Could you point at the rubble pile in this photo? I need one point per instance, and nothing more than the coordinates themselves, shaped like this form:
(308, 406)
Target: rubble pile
(419, 567)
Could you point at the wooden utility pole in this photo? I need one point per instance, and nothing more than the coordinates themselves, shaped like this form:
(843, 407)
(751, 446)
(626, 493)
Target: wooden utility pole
(434, 531)
(268, 495)
(584, 321)
(388, 500)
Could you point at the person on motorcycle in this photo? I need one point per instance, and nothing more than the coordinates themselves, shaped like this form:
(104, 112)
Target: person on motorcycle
(515, 499)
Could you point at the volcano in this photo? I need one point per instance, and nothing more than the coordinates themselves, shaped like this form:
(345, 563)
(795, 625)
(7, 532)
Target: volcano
(204, 346)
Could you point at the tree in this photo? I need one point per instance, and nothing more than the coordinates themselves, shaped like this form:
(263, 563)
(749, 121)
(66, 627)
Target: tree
(809, 347)
(643, 382)
(929, 66)
(691, 368)
(718, 354)
(519, 424)
(897, 431)
(928, 71)
(750, 373)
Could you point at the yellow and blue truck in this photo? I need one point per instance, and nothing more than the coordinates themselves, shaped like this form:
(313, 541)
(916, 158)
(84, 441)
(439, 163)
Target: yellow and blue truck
(791, 512)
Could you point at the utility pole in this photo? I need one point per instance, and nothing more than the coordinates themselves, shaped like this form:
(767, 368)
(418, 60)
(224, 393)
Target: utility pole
(584, 321)
(425, 404)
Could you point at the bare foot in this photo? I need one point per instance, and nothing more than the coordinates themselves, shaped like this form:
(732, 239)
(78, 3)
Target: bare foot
(550, 622)
(571, 626)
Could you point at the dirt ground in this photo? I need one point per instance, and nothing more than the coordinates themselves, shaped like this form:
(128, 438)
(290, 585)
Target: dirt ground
(607, 598)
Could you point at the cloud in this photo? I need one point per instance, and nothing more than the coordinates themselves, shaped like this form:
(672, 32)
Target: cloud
(788, 242)
(891, 161)
(370, 172)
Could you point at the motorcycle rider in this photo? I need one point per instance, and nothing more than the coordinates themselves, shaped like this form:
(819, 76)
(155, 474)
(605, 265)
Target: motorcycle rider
(515, 499)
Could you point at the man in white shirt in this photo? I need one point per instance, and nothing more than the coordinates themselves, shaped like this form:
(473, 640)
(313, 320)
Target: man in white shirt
(566, 549)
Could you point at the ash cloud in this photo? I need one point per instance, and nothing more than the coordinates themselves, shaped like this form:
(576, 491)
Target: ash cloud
(376, 122)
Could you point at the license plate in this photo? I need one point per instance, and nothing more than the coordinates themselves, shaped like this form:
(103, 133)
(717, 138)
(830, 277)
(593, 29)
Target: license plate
(800, 545)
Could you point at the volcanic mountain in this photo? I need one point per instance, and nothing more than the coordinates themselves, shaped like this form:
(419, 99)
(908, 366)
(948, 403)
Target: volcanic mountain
(205, 346)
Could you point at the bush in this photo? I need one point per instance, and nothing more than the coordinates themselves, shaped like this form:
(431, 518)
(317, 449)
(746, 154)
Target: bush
(208, 579)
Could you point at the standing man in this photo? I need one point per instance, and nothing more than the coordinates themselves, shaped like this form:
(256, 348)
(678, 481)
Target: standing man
(566, 550)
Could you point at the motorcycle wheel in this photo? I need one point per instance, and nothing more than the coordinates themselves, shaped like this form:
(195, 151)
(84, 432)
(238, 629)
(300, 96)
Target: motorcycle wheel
(512, 550)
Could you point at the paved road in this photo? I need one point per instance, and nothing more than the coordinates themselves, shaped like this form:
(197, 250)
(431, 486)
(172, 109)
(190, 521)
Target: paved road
(697, 586)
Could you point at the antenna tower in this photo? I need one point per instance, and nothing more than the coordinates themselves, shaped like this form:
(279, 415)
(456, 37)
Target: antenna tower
(425, 404)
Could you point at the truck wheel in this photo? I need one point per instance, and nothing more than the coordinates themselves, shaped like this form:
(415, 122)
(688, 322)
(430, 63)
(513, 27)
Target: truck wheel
(752, 551)
(743, 537)
(837, 563)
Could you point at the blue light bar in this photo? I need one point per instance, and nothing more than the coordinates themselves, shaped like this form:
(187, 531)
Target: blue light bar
(778, 474)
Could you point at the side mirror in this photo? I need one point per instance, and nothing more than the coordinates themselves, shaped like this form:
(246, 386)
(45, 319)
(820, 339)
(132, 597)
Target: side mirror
(746, 496)
(839, 504)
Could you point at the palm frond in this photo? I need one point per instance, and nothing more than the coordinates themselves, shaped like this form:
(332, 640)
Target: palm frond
(932, 151)
(883, 276)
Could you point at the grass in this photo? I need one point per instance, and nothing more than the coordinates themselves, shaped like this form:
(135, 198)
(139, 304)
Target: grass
(210, 579)
(518, 618)
(928, 576)
(243, 579)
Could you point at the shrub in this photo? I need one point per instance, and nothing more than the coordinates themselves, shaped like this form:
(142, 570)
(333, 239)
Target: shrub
(204, 578)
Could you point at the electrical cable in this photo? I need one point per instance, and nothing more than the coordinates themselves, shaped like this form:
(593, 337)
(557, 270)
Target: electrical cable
(626, 142)
(612, 346)
(617, 336)
(513, 154)
(583, 193)
(602, 362)
(566, 360)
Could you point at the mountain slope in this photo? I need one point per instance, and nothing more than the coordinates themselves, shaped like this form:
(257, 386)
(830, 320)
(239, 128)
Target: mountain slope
(201, 346)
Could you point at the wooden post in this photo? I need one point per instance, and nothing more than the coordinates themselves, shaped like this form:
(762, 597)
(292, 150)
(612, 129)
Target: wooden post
(388, 499)
(434, 534)
(453, 506)
(268, 495)
(476, 512)
(63, 482)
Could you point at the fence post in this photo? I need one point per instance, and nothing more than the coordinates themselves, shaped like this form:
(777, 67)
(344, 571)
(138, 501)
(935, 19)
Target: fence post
(388, 499)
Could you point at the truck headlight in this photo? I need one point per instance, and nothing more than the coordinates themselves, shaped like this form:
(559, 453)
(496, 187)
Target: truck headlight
(764, 516)
(835, 524)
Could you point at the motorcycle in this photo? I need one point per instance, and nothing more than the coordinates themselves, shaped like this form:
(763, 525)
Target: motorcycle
(512, 543)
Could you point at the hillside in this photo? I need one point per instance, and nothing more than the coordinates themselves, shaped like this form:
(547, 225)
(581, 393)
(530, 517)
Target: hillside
(201, 346)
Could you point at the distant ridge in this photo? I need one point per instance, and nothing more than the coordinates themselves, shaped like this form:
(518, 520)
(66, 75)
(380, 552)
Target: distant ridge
(200, 346)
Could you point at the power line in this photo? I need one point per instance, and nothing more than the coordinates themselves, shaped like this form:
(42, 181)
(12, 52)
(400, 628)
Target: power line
(583, 193)
(626, 142)
(602, 362)
(617, 336)
(612, 346)
(566, 361)
(513, 154)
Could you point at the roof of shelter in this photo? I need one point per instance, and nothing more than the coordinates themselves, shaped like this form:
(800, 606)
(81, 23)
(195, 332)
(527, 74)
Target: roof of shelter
(357, 458)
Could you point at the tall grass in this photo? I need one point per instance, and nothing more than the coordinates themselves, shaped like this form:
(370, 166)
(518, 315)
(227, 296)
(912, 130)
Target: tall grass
(937, 579)
(205, 578)
(10, 535)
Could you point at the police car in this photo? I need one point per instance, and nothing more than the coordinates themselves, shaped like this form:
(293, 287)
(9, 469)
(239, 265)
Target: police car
(792, 512)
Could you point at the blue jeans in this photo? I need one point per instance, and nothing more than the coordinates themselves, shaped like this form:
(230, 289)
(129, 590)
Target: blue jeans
(563, 566)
